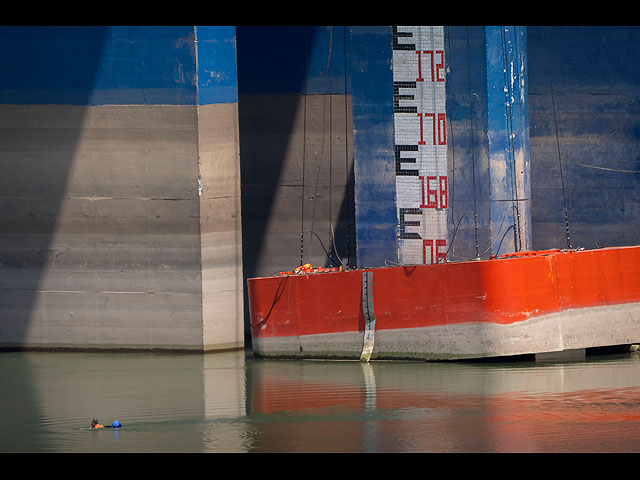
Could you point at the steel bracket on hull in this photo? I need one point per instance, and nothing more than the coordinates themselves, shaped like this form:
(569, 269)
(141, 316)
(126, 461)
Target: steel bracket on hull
(369, 316)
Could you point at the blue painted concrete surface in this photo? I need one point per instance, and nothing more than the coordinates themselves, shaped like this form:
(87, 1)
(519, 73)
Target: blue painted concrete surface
(507, 131)
(307, 59)
(583, 106)
(584, 98)
(97, 65)
(117, 65)
(373, 145)
(217, 65)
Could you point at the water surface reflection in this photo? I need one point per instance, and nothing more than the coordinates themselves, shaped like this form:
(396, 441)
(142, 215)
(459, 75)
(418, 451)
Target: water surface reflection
(230, 402)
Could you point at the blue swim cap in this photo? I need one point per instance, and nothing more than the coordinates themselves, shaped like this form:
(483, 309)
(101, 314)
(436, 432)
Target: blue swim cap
(115, 424)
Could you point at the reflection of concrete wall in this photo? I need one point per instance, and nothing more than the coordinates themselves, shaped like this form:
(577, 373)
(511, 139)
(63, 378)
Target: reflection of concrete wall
(161, 400)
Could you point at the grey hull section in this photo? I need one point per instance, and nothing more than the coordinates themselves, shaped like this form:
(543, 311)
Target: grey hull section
(564, 331)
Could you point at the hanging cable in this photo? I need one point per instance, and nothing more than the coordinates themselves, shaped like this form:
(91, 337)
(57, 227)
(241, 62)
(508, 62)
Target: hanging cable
(451, 138)
(508, 73)
(330, 95)
(322, 146)
(500, 228)
(473, 155)
(304, 148)
(335, 249)
(555, 121)
(455, 224)
(453, 237)
(346, 150)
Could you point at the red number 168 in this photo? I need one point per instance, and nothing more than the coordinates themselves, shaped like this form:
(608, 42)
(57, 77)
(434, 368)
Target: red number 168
(437, 197)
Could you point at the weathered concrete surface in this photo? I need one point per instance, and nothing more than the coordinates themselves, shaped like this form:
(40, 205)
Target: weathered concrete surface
(296, 156)
(584, 135)
(100, 228)
(371, 77)
(508, 139)
(220, 227)
(468, 157)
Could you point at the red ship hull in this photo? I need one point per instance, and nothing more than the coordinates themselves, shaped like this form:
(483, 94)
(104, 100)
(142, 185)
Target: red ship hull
(526, 303)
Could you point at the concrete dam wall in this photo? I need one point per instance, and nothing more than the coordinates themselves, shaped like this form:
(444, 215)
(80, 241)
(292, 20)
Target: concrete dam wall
(119, 214)
(147, 172)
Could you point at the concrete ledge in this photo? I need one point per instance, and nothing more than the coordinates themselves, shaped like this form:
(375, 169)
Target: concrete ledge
(563, 356)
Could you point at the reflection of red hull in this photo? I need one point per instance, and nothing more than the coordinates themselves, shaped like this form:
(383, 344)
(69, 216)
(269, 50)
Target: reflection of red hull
(381, 407)
(531, 302)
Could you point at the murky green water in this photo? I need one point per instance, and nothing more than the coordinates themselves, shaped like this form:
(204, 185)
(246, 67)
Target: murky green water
(231, 402)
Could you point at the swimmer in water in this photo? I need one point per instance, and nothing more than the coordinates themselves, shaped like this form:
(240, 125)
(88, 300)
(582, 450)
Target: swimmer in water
(96, 424)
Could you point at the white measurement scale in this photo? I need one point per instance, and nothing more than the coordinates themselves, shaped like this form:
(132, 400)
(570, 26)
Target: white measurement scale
(420, 136)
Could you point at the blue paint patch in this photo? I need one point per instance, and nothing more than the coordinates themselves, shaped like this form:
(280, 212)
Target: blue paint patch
(97, 65)
(217, 67)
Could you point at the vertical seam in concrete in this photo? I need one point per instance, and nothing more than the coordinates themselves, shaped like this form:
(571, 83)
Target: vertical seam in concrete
(195, 47)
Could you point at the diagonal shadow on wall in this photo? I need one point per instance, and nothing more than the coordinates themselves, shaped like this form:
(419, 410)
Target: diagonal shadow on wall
(46, 77)
(295, 149)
